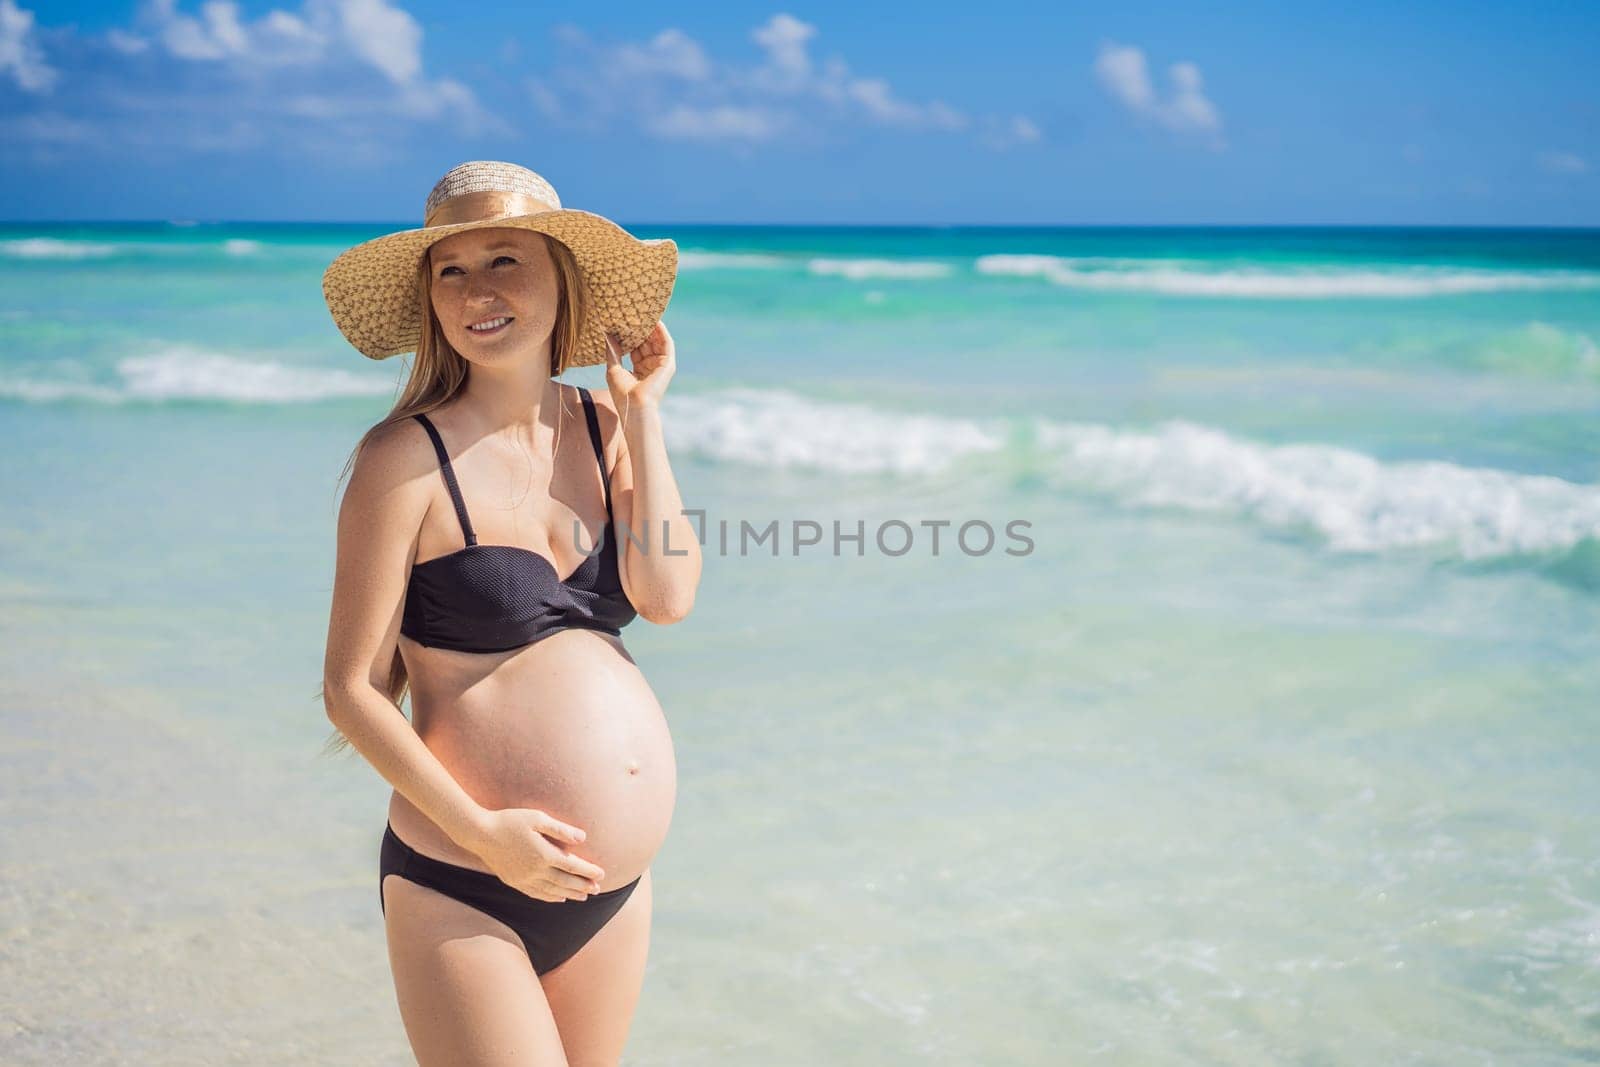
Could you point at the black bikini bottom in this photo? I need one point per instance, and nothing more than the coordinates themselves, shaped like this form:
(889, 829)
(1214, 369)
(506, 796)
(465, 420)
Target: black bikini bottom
(551, 930)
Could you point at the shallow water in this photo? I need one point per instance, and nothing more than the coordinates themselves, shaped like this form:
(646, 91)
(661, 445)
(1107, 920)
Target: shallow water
(1277, 745)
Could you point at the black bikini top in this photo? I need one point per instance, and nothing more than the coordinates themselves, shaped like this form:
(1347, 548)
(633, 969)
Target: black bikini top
(494, 598)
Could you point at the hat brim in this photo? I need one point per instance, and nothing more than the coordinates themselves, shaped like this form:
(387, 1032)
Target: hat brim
(371, 289)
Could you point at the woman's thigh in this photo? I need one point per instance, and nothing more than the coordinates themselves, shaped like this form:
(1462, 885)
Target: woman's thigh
(592, 995)
(467, 993)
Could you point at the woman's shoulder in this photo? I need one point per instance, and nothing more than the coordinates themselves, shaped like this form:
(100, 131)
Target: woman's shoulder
(604, 406)
(604, 409)
(396, 434)
(394, 452)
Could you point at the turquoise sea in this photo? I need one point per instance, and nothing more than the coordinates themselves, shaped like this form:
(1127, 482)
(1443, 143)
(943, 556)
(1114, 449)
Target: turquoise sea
(1276, 743)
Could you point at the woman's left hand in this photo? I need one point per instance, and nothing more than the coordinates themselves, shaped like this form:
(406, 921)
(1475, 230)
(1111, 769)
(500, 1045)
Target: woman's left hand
(654, 362)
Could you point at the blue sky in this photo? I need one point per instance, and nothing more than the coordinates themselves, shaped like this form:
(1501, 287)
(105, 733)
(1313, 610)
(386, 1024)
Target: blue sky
(349, 110)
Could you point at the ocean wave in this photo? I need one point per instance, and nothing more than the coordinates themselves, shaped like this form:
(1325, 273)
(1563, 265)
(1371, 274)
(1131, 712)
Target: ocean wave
(853, 268)
(858, 269)
(1350, 501)
(38, 391)
(699, 259)
(1353, 501)
(773, 428)
(1176, 278)
(53, 248)
(184, 373)
(56, 248)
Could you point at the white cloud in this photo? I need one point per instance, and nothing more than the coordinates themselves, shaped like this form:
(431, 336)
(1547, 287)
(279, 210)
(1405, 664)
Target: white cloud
(342, 79)
(1007, 133)
(719, 123)
(1562, 163)
(217, 75)
(384, 36)
(436, 99)
(670, 52)
(671, 89)
(1189, 107)
(941, 114)
(784, 38)
(879, 101)
(217, 35)
(128, 44)
(375, 33)
(1123, 73)
(290, 28)
(327, 36)
(1024, 129)
(20, 54)
(788, 70)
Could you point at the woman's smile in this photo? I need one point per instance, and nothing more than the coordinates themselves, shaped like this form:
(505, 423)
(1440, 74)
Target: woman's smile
(491, 326)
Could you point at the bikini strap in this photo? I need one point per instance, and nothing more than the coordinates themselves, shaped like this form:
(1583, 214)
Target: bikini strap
(449, 479)
(594, 436)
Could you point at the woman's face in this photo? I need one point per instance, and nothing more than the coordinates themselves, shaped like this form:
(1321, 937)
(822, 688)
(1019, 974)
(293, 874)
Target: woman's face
(495, 273)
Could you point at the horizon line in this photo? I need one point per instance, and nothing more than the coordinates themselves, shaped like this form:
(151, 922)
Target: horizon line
(185, 223)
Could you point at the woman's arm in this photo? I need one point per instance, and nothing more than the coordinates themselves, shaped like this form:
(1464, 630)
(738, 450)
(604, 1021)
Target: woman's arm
(379, 519)
(658, 551)
(661, 586)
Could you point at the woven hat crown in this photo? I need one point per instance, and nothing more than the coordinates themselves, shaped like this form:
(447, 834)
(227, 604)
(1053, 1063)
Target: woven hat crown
(483, 175)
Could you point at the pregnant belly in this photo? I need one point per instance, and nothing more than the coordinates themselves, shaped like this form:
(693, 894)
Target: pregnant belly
(567, 725)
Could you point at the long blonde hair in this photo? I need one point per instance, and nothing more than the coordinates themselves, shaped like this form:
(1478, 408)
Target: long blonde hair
(439, 373)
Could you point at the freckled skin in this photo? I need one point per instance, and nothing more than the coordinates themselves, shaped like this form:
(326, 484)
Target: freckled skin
(523, 286)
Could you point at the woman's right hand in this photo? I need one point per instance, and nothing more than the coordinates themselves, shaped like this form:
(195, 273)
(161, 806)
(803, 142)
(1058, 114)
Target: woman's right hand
(526, 849)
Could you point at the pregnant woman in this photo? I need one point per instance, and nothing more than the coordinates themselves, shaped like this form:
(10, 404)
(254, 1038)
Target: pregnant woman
(499, 529)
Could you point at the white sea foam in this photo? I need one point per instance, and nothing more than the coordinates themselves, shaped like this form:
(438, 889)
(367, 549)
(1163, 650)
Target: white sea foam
(697, 259)
(56, 248)
(858, 269)
(42, 392)
(1351, 501)
(772, 428)
(1355, 502)
(855, 269)
(185, 373)
(1183, 278)
(196, 374)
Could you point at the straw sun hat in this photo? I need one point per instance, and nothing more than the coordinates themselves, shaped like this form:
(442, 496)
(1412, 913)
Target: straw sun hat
(371, 289)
